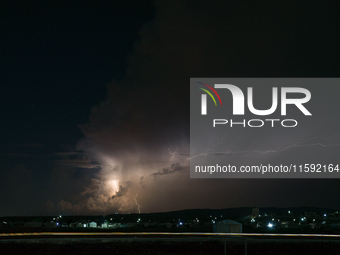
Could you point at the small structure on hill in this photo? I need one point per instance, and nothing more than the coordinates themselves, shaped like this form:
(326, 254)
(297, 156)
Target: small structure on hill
(227, 226)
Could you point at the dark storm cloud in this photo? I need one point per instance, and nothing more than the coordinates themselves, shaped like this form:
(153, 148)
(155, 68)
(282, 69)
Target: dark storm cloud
(92, 186)
(121, 192)
(69, 153)
(142, 128)
(75, 159)
(81, 163)
(186, 39)
(172, 169)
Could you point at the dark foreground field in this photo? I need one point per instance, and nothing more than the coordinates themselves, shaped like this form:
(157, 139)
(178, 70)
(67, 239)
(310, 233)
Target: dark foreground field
(167, 246)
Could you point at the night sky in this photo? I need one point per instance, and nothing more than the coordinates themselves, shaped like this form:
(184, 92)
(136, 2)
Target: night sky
(95, 99)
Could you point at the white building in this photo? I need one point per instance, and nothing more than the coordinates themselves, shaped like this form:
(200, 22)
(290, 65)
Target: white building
(92, 224)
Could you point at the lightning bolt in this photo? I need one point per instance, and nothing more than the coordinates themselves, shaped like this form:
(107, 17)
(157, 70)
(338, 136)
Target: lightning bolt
(138, 206)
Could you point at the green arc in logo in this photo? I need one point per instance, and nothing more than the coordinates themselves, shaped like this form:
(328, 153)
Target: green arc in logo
(209, 95)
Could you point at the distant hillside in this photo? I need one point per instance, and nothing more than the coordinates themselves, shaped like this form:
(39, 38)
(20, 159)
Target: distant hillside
(183, 215)
(228, 213)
